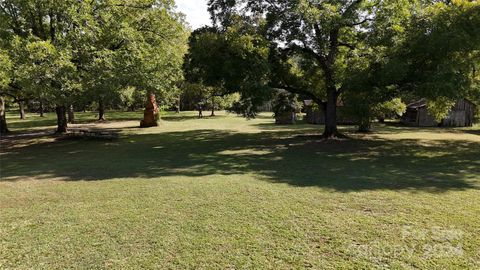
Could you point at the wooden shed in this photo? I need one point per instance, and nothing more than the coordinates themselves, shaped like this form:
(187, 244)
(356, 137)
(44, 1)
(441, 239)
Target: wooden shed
(461, 115)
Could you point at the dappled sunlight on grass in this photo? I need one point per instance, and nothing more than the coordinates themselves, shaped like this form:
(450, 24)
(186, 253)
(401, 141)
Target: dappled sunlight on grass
(232, 145)
(272, 196)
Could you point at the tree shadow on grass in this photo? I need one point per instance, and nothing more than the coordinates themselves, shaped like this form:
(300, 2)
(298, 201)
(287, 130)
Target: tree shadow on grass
(473, 131)
(278, 157)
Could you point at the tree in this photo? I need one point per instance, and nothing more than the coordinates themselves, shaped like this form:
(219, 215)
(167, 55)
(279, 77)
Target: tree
(326, 38)
(37, 36)
(142, 48)
(443, 49)
(229, 62)
(5, 73)
(97, 47)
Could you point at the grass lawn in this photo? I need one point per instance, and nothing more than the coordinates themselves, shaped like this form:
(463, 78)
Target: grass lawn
(227, 193)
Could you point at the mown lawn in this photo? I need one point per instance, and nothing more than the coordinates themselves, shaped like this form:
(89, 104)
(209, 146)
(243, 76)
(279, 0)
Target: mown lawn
(226, 193)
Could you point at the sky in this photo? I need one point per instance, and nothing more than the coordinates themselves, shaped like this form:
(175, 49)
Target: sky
(196, 12)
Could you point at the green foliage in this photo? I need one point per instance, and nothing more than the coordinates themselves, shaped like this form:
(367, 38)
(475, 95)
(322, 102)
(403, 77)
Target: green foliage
(235, 60)
(440, 50)
(317, 47)
(77, 51)
(440, 107)
(285, 102)
(5, 69)
(390, 109)
(244, 107)
(367, 52)
(227, 101)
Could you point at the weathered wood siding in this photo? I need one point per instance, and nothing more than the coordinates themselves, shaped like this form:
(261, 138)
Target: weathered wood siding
(424, 119)
(461, 115)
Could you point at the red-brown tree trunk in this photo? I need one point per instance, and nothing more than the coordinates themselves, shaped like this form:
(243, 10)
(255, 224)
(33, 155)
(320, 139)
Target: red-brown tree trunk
(61, 119)
(3, 119)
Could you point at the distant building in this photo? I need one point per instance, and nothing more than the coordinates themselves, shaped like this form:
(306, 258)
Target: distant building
(461, 115)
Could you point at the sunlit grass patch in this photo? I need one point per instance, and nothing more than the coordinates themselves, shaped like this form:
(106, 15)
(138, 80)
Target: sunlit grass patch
(230, 193)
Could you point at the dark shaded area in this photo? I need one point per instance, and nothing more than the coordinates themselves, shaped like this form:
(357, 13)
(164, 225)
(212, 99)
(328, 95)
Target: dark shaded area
(280, 157)
(473, 131)
(92, 118)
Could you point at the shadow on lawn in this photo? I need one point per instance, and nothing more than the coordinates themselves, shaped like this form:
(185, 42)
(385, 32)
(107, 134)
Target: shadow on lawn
(473, 131)
(279, 157)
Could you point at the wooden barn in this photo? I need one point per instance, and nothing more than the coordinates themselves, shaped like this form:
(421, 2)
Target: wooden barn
(461, 115)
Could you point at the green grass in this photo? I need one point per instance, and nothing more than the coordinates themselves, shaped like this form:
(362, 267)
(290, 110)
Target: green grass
(229, 193)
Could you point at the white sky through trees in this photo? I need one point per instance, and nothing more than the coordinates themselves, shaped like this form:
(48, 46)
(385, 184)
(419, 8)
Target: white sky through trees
(195, 11)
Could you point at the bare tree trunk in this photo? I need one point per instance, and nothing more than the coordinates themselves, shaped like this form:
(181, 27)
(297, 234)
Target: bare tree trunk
(21, 105)
(331, 114)
(101, 111)
(179, 103)
(3, 119)
(61, 119)
(213, 107)
(41, 109)
(71, 115)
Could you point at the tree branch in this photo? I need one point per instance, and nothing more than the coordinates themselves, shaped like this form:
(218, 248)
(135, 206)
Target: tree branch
(297, 91)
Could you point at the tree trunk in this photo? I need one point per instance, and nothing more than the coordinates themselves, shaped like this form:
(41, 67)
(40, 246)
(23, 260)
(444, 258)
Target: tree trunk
(21, 105)
(61, 119)
(331, 114)
(71, 115)
(41, 109)
(3, 119)
(213, 106)
(365, 125)
(101, 111)
(179, 103)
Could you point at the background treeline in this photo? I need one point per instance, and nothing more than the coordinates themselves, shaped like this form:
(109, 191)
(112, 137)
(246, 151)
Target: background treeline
(372, 55)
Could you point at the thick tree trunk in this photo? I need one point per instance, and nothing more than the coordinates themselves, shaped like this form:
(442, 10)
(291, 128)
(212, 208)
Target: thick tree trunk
(213, 107)
(101, 111)
(41, 109)
(3, 119)
(331, 114)
(21, 105)
(61, 119)
(71, 115)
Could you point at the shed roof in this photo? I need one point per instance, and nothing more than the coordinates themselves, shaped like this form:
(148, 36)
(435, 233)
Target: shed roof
(418, 104)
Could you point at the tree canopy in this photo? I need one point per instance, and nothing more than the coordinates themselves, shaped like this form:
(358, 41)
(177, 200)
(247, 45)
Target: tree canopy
(97, 48)
(367, 51)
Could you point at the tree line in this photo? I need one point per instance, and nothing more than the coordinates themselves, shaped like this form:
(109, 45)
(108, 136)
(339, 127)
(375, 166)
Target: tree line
(360, 52)
(70, 52)
(367, 53)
